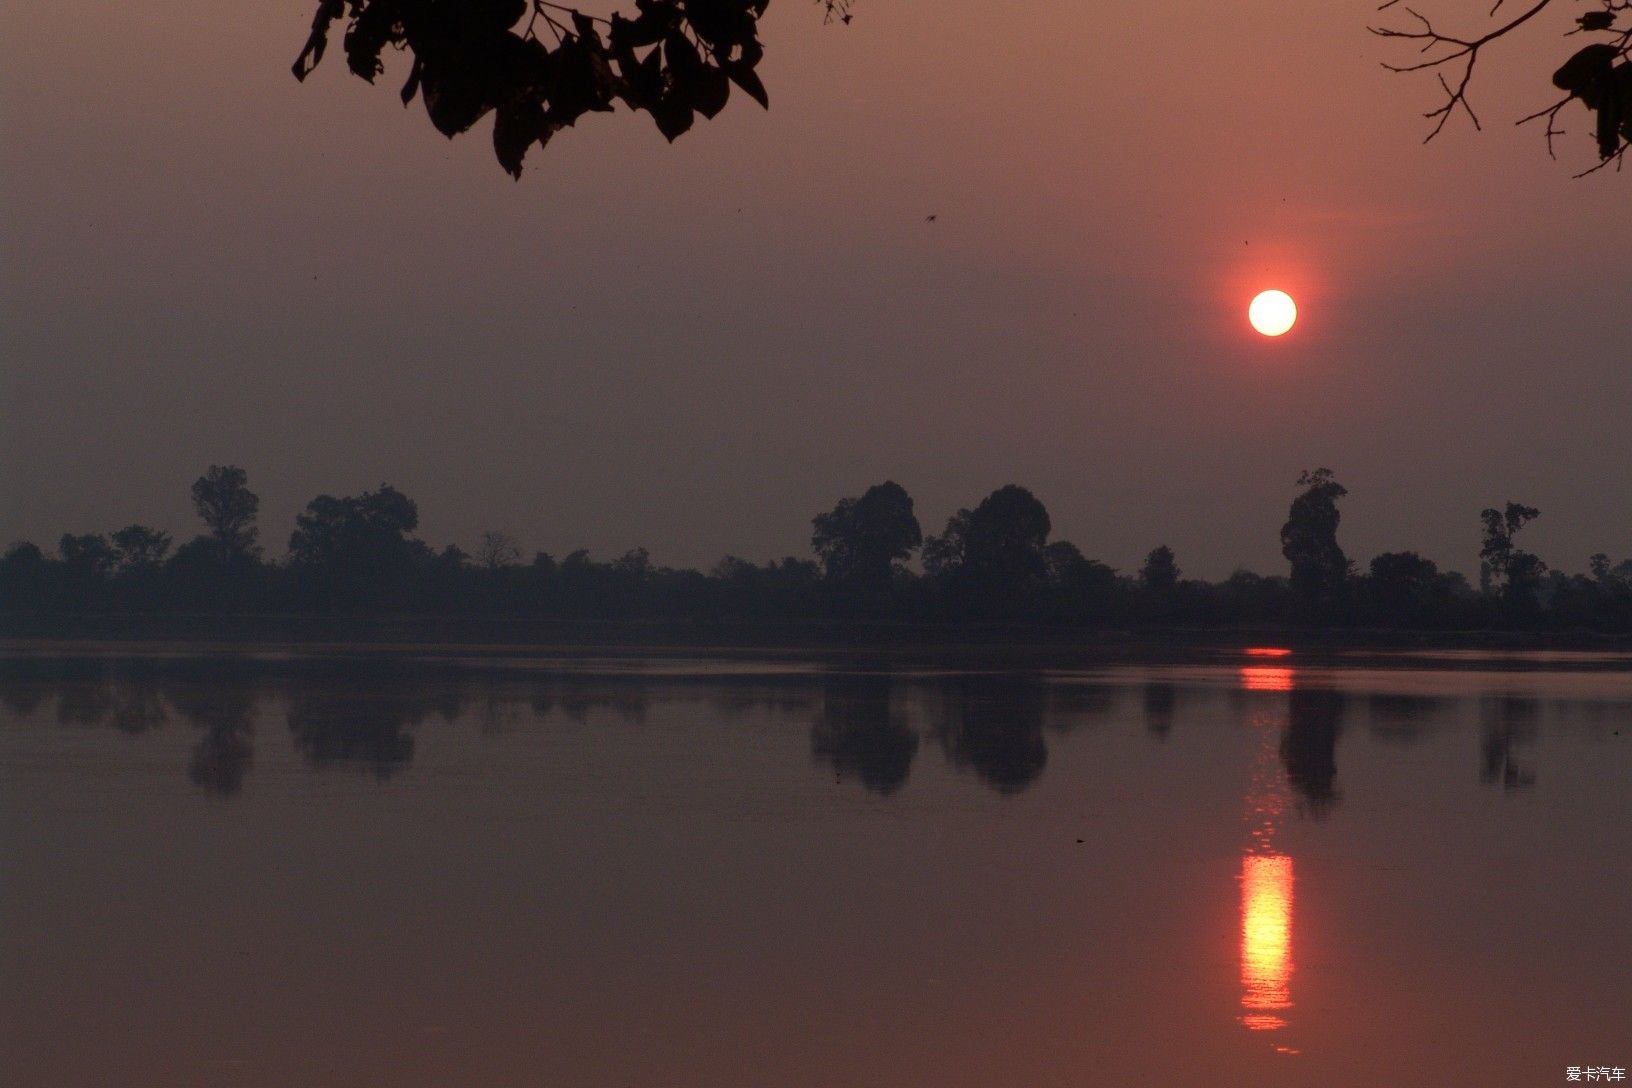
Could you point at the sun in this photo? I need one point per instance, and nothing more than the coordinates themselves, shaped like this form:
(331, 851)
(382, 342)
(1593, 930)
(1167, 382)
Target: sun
(1272, 312)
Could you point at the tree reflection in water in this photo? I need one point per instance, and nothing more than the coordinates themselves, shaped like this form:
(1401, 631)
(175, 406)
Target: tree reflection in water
(1297, 758)
(225, 711)
(1314, 718)
(993, 724)
(1507, 722)
(362, 730)
(1160, 700)
(861, 732)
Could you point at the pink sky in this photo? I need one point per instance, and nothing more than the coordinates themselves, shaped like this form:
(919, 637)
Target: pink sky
(695, 348)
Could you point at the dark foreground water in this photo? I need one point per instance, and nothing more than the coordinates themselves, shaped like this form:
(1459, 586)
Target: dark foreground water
(1251, 870)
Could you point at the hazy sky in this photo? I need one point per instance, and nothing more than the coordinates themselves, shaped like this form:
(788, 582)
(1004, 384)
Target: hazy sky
(695, 348)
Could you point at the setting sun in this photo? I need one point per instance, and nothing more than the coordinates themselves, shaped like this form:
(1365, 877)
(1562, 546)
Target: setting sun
(1272, 312)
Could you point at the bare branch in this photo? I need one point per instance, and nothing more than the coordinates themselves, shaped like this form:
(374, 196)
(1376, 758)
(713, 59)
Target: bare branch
(1460, 55)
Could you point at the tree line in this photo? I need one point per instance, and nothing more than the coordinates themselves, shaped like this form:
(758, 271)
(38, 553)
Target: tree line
(994, 562)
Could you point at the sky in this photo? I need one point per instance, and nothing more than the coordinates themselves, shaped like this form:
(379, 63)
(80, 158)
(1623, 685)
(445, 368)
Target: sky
(694, 348)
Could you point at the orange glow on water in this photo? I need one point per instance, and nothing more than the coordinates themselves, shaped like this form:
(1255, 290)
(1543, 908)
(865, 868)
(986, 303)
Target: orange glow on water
(1263, 678)
(1266, 940)
(1268, 651)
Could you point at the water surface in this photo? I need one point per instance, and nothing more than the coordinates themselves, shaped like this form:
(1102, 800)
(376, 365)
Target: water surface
(1245, 869)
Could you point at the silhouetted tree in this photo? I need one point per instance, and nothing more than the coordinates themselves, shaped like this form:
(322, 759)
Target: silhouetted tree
(223, 499)
(992, 562)
(861, 542)
(496, 550)
(28, 580)
(1309, 542)
(1520, 572)
(1082, 589)
(1599, 75)
(993, 556)
(89, 553)
(1160, 573)
(355, 550)
(1403, 589)
(139, 547)
(675, 59)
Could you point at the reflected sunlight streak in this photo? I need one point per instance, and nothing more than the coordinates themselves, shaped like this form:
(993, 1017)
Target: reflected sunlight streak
(1263, 678)
(1266, 940)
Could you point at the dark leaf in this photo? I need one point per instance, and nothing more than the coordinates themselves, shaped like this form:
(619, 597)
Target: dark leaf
(647, 29)
(327, 12)
(454, 101)
(749, 81)
(642, 80)
(720, 22)
(673, 115)
(515, 128)
(709, 90)
(584, 81)
(1597, 20)
(410, 88)
(370, 32)
(682, 58)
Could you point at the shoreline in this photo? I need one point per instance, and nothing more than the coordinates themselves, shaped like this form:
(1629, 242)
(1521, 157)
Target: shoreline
(995, 643)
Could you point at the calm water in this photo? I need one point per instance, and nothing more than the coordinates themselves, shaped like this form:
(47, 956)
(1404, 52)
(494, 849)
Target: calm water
(1244, 870)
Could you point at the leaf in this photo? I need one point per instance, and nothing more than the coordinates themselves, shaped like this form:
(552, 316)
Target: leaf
(709, 91)
(372, 29)
(682, 58)
(642, 79)
(327, 12)
(673, 115)
(454, 101)
(647, 29)
(584, 81)
(515, 128)
(750, 82)
(1597, 20)
(412, 86)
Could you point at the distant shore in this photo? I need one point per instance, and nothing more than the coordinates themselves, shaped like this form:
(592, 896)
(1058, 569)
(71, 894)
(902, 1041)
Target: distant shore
(478, 636)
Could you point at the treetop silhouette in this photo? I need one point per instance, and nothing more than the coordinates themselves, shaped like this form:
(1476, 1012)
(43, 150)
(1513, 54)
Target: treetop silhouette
(539, 66)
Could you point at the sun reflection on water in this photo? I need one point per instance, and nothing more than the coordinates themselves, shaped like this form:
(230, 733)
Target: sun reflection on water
(1266, 872)
(1266, 940)
(1265, 678)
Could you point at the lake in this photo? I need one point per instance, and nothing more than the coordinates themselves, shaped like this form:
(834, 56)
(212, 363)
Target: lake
(1243, 867)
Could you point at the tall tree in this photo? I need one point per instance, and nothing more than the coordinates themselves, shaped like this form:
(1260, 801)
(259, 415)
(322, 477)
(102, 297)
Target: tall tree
(1309, 542)
(496, 550)
(140, 548)
(1161, 571)
(860, 541)
(223, 499)
(356, 549)
(993, 555)
(1519, 572)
